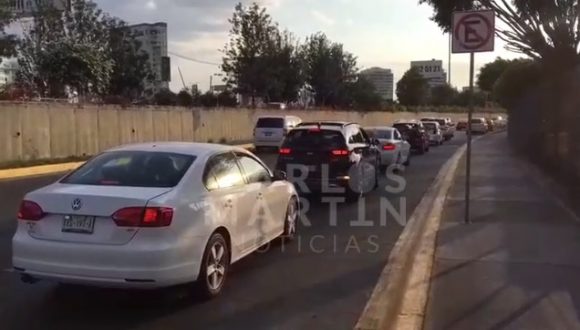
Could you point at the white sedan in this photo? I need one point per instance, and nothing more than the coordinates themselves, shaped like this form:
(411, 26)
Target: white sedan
(153, 215)
(434, 131)
(392, 147)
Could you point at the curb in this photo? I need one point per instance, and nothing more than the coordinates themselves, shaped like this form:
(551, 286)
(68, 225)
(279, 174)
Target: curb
(399, 298)
(24, 172)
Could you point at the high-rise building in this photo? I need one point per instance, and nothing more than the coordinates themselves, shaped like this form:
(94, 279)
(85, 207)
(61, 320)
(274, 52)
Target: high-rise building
(383, 81)
(24, 8)
(432, 71)
(153, 38)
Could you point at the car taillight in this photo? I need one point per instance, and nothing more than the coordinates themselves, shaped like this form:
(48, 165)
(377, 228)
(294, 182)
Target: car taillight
(389, 147)
(285, 151)
(30, 211)
(340, 152)
(143, 217)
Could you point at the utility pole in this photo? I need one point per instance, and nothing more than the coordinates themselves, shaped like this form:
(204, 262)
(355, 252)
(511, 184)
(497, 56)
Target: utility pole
(449, 60)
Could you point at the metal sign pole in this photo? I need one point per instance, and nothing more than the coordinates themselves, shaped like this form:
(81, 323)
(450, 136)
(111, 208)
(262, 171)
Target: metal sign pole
(469, 134)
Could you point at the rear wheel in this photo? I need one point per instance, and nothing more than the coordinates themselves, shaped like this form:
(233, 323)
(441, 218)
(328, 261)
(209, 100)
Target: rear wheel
(214, 266)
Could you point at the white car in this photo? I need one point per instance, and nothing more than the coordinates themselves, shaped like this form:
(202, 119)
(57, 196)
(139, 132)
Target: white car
(434, 131)
(392, 147)
(479, 126)
(270, 131)
(153, 215)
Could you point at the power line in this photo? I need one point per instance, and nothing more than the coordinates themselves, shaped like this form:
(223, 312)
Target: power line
(193, 59)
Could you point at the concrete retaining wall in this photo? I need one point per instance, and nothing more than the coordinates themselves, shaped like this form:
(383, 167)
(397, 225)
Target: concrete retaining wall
(31, 131)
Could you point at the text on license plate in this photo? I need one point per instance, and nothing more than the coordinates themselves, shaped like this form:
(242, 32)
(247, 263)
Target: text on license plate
(78, 224)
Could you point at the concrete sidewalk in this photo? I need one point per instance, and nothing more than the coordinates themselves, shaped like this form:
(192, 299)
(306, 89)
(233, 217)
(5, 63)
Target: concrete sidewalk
(517, 265)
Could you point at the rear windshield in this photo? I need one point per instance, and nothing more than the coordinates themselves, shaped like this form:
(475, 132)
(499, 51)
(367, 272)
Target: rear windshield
(476, 121)
(270, 123)
(380, 134)
(402, 127)
(441, 121)
(315, 139)
(132, 169)
(429, 125)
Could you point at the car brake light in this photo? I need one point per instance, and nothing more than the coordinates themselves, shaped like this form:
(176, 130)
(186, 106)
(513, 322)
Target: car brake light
(389, 147)
(30, 211)
(143, 217)
(340, 152)
(285, 151)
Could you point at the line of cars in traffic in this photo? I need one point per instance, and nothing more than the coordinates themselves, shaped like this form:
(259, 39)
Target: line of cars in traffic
(482, 125)
(154, 215)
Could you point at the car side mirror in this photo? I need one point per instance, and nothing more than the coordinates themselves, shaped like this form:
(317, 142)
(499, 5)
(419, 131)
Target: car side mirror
(279, 176)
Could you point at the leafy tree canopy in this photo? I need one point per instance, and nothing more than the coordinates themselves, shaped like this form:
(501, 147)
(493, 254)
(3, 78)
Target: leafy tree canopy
(412, 89)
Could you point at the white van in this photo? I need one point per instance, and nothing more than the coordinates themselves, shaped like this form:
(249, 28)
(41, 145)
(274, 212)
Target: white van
(270, 131)
(434, 130)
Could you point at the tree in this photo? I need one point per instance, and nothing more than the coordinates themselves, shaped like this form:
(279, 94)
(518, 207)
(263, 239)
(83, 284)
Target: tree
(67, 49)
(490, 73)
(130, 65)
(360, 95)
(246, 56)
(165, 97)
(227, 99)
(412, 89)
(184, 99)
(543, 30)
(443, 95)
(285, 62)
(462, 99)
(208, 100)
(515, 81)
(328, 68)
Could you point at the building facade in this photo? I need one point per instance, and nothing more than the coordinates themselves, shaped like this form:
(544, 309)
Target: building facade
(153, 38)
(8, 70)
(25, 8)
(382, 79)
(432, 71)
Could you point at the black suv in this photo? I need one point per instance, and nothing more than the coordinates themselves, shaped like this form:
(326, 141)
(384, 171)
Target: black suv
(415, 134)
(320, 155)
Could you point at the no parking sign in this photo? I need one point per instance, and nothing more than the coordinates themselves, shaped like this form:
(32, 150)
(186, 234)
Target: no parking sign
(473, 31)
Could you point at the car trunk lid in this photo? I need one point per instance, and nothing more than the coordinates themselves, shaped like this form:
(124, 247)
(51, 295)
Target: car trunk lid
(83, 213)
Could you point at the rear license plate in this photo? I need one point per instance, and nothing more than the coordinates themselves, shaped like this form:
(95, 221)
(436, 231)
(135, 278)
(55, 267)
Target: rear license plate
(78, 224)
(267, 133)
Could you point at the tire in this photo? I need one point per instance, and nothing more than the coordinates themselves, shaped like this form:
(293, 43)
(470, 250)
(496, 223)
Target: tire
(422, 150)
(407, 163)
(216, 254)
(351, 196)
(378, 172)
(291, 220)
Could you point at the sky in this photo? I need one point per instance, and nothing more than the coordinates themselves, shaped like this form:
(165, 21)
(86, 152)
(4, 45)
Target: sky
(384, 33)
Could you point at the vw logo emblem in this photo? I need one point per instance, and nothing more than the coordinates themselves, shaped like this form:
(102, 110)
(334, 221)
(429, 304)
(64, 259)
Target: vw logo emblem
(77, 204)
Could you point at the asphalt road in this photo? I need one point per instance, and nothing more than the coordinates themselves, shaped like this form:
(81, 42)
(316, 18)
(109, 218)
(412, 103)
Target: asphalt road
(320, 281)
